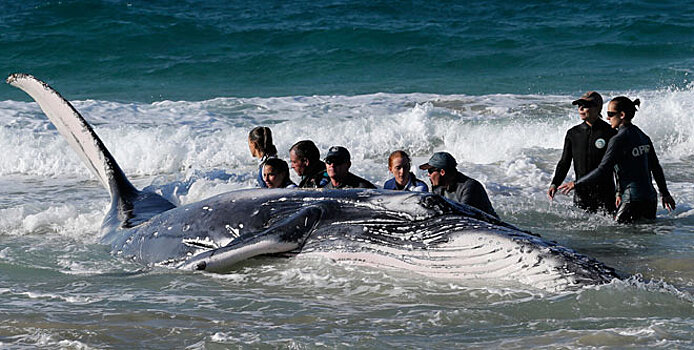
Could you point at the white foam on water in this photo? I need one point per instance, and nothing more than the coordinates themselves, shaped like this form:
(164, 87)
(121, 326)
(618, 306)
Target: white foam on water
(65, 220)
(189, 151)
(168, 137)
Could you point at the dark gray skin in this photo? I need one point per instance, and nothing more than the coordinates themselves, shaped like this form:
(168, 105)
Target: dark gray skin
(221, 231)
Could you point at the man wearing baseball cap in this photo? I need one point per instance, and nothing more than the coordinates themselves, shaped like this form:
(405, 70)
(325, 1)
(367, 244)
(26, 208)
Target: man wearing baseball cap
(337, 164)
(585, 144)
(448, 182)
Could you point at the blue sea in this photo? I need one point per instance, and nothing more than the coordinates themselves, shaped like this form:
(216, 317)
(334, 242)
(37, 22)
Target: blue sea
(173, 88)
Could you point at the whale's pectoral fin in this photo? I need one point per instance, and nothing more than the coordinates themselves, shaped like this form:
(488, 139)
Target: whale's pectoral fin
(285, 236)
(129, 206)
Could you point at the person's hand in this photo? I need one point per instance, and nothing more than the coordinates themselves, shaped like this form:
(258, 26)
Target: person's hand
(618, 201)
(552, 190)
(668, 202)
(567, 187)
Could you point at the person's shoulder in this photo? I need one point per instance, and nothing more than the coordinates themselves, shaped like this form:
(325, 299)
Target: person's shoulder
(637, 130)
(420, 186)
(357, 181)
(578, 128)
(642, 134)
(604, 124)
(473, 182)
(468, 182)
(622, 134)
(389, 185)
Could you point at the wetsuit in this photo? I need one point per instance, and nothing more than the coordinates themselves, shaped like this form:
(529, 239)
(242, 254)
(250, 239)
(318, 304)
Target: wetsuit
(414, 185)
(632, 156)
(468, 191)
(351, 181)
(317, 178)
(261, 182)
(586, 145)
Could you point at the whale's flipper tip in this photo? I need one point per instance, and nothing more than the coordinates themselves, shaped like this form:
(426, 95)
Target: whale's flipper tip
(14, 78)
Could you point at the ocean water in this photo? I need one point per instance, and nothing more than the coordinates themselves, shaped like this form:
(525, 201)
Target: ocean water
(174, 88)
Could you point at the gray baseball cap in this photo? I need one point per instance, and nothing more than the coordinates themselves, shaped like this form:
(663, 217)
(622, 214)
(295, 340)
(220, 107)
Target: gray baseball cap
(440, 160)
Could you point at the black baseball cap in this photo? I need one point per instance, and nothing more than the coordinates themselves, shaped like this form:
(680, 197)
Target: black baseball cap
(337, 154)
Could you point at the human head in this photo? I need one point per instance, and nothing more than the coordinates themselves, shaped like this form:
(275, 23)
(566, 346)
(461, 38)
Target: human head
(337, 163)
(260, 142)
(621, 110)
(275, 172)
(441, 167)
(589, 106)
(399, 166)
(303, 155)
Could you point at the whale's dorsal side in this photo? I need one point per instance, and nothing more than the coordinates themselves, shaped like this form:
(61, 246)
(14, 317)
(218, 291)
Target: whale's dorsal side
(129, 206)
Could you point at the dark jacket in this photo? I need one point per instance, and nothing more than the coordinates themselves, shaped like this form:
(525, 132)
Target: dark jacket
(468, 191)
(316, 179)
(585, 145)
(632, 156)
(351, 181)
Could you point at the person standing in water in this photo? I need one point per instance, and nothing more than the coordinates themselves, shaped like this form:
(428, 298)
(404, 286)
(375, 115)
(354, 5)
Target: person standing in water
(403, 179)
(631, 154)
(261, 147)
(585, 144)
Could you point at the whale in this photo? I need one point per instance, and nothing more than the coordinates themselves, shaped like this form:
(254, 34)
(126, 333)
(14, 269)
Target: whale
(407, 231)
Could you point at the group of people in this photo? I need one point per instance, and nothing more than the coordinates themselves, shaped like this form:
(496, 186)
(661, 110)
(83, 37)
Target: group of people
(603, 152)
(333, 171)
(600, 151)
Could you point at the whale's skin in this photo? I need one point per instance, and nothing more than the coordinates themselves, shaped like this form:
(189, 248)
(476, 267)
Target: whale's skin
(419, 232)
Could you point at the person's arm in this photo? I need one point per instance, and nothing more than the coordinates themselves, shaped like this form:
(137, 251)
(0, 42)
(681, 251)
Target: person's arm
(606, 166)
(659, 177)
(617, 190)
(562, 167)
(261, 182)
(472, 193)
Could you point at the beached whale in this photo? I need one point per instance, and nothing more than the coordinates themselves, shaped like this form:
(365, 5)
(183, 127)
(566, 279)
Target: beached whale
(419, 232)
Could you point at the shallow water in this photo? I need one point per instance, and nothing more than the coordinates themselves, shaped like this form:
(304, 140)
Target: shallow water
(174, 89)
(60, 288)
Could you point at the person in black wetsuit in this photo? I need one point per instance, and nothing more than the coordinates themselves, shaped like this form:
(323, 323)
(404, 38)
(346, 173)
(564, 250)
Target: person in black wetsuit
(585, 144)
(631, 154)
(305, 160)
(448, 182)
(337, 164)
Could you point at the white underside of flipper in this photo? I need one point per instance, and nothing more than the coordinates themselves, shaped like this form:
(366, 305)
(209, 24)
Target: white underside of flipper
(71, 125)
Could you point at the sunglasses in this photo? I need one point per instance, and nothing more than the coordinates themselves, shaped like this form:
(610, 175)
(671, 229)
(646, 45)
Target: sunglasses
(585, 105)
(333, 162)
(611, 114)
(432, 170)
